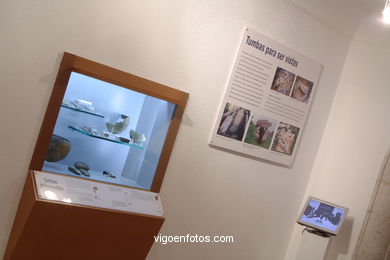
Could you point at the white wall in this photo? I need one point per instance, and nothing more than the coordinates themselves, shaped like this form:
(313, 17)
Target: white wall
(189, 45)
(354, 144)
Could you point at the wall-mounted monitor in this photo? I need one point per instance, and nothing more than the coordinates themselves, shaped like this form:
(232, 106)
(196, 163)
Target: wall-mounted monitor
(108, 125)
(322, 215)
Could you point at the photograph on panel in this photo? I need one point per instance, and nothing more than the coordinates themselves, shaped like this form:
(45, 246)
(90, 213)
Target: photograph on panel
(283, 81)
(260, 131)
(285, 138)
(233, 122)
(302, 89)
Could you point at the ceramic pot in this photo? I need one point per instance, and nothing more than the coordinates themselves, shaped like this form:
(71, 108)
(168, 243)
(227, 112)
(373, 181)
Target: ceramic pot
(116, 124)
(59, 148)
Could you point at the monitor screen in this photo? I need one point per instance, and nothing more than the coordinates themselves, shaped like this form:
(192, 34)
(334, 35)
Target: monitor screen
(322, 215)
(108, 133)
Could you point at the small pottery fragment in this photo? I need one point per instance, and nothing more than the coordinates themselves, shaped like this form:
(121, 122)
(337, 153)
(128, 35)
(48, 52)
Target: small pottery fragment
(134, 135)
(118, 125)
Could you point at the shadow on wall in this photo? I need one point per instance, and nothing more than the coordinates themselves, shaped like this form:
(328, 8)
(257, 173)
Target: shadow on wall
(251, 157)
(340, 244)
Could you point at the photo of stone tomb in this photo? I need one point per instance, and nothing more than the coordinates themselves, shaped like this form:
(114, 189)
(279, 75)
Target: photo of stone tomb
(233, 122)
(260, 131)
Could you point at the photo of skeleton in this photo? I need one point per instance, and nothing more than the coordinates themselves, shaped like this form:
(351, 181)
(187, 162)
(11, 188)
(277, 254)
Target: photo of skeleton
(260, 131)
(283, 81)
(285, 138)
(302, 89)
(233, 122)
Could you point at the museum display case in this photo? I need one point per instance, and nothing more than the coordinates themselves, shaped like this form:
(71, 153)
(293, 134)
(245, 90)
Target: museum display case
(108, 125)
(97, 167)
(109, 133)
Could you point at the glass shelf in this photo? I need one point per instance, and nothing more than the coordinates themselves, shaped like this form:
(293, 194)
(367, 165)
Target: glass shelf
(105, 139)
(82, 111)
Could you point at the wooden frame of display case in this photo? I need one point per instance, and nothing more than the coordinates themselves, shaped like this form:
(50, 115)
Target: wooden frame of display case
(72, 63)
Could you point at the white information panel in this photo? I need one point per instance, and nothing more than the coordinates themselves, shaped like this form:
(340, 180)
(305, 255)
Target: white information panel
(102, 195)
(267, 100)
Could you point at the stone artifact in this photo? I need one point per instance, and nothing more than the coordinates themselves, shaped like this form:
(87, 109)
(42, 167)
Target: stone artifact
(83, 168)
(84, 172)
(134, 135)
(108, 174)
(73, 170)
(81, 165)
(140, 139)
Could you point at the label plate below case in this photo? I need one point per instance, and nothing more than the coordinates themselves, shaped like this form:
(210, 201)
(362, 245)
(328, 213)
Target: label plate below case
(71, 190)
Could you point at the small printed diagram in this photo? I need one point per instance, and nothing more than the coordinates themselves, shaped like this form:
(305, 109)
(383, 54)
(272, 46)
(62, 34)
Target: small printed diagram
(302, 89)
(283, 81)
(285, 138)
(260, 131)
(233, 122)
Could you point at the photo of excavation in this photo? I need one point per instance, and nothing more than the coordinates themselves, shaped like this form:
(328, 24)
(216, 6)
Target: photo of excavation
(283, 81)
(285, 138)
(302, 89)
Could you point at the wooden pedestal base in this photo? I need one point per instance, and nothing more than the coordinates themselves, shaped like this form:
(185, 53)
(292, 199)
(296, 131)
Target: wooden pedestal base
(50, 230)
